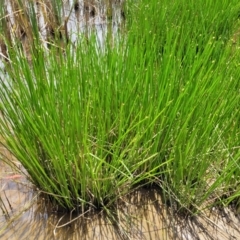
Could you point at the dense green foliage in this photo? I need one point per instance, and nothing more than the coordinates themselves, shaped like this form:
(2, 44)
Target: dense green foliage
(160, 107)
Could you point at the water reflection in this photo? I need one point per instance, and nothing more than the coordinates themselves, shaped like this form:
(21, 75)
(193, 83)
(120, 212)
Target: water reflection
(93, 17)
(24, 214)
(140, 216)
(78, 20)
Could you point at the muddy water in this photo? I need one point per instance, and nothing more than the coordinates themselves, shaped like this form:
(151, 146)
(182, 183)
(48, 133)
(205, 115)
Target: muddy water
(141, 215)
(24, 214)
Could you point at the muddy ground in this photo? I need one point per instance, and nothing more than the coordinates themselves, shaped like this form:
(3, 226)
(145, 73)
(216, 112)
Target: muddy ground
(142, 215)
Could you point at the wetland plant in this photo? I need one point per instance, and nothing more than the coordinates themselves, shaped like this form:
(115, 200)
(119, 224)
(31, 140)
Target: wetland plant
(159, 108)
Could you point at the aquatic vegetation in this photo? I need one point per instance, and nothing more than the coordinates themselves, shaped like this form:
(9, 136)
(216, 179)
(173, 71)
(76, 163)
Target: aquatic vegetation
(160, 107)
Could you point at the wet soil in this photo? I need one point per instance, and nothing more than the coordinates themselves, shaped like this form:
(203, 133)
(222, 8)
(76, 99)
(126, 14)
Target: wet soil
(141, 215)
(25, 214)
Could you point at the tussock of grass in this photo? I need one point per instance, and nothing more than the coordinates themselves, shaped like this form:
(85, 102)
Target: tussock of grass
(161, 107)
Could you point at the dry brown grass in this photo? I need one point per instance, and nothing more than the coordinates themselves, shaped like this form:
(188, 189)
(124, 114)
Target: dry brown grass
(19, 23)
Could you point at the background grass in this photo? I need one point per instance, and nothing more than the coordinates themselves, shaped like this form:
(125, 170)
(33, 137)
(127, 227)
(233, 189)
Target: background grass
(160, 108)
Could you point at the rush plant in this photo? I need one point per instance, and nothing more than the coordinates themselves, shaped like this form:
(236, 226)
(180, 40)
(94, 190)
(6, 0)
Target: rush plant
(160, 107)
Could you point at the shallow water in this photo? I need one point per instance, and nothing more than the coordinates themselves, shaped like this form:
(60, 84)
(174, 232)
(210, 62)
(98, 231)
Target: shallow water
(89, 17)
(141, 215)
(24, 214)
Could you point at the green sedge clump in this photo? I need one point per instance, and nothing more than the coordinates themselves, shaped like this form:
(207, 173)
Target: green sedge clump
(160, 107)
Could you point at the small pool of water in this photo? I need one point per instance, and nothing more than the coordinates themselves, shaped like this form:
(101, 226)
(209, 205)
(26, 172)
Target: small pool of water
(24, 214)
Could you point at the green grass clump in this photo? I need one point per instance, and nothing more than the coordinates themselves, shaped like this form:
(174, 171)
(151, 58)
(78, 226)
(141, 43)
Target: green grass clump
(160, 107)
